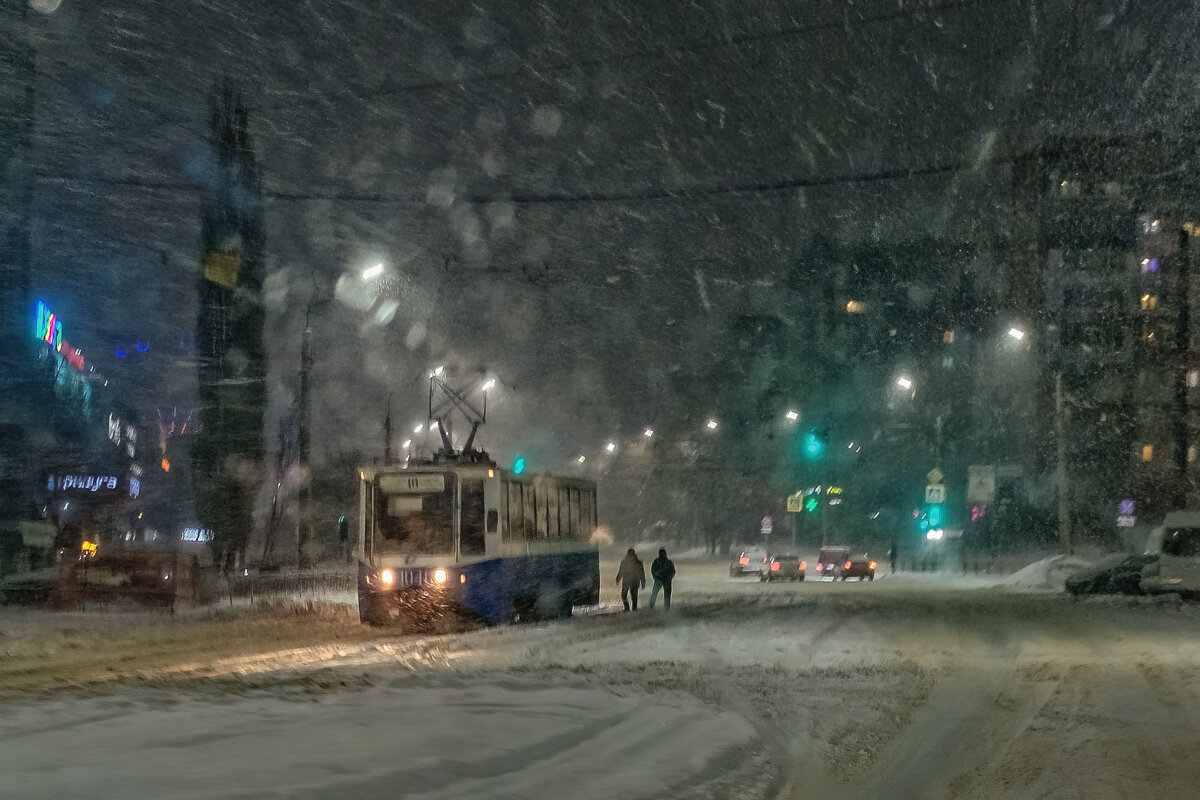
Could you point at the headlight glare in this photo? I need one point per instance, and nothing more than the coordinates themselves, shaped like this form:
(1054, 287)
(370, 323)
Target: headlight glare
(387, 576)
(439, 575)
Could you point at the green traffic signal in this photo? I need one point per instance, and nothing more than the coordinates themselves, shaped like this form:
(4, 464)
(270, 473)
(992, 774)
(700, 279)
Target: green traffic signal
(812, 503)
(814, 445)
(518, 465)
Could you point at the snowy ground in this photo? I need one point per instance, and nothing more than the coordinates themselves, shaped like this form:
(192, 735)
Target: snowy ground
(911, 686)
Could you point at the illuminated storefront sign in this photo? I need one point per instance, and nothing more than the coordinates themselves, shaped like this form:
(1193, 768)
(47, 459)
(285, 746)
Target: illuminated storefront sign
(48, 327)
(88, 483)
(196, 535)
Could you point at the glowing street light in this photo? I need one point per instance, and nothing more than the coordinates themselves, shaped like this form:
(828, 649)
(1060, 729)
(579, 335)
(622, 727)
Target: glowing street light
(437, 371)
(611, 447)
(371, 273)
(418, 429)
(581, 459)
(490, 383)
(648, 432)
(712, 424)
(792, 415)
(407, 443)
(1016, 333)
(903, 382)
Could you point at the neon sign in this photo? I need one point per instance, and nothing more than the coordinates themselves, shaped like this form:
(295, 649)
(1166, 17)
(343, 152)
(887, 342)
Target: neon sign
(48, 327)
(88, 483)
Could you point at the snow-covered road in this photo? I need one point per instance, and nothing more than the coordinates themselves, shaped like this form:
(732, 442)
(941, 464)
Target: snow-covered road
(907, 687)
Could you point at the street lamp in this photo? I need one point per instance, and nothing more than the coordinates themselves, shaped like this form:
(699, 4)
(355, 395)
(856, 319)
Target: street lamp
(711, 424)
(371, 273)
(792, 415)
(904, 382)
(611, 447)
(648, 432)
(489, 384)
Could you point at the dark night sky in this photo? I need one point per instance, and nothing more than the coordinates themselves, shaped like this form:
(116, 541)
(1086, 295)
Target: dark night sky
(574, 198)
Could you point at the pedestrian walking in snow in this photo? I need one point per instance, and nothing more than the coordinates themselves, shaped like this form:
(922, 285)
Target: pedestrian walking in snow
(663, 571)
(631, 576)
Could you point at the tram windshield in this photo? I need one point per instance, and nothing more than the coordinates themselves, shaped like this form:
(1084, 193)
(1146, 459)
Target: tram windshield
(414, 514)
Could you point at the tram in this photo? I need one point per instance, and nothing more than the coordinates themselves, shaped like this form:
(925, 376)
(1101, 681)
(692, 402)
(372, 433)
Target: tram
(457, 538)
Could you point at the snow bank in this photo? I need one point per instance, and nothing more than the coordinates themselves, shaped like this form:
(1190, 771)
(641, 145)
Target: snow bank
(1047, 575)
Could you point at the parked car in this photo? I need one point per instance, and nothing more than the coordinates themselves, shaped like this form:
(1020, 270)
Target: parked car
(1169, 565)
(1119, 574)
(747, 562)
(831, 561)
(782, 568)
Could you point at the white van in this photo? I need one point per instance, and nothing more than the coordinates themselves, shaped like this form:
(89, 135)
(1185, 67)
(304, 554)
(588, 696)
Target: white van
(1176, 543)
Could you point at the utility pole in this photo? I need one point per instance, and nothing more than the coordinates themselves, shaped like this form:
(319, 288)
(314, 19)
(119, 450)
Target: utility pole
(1060, 470)
(304, 515)
(387, 432)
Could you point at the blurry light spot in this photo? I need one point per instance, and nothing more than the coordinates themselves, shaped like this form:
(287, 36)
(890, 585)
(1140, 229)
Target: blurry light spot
(711, 424)
(648, 432)
(611, 447)
(792, 414)
(546, 120)
(45, 6)
(372, 272)
(386, 312)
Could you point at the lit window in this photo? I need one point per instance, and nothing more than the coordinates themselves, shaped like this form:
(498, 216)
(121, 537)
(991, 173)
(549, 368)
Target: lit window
(948, 362)
(1193, 378)
(855, 307)
(1147, 452)
(948, 337)
(1149, 265)
(1149, 301)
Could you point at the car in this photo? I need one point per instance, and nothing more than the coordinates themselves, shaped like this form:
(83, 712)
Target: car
(747, 562)
(859, 566)
(838, 562)
(830, 561)
(782, 567)
(1118, 574)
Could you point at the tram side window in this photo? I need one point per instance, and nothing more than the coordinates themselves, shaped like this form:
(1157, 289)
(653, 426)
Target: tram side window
(471, 538)
(416, 523)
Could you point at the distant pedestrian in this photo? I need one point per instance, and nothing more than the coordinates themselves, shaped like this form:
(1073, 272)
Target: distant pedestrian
(663, 571)
(631, 576)
(893, 555)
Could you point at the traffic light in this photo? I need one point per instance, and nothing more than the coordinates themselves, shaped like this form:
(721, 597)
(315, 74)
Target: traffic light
(518, 465)
(812, 504)
(814, 444)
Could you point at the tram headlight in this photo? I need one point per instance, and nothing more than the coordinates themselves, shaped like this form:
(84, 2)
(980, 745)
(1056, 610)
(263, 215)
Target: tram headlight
(439, 575)
(388, 577)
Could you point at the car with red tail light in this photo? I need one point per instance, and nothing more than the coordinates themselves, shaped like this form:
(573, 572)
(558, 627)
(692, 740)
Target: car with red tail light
(747, 562)
(782, 568)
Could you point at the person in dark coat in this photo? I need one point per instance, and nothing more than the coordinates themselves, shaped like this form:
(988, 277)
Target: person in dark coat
(662, 570)
(631, 576)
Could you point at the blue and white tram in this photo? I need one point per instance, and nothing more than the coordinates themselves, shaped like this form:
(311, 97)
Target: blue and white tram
(463, 538)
